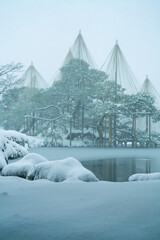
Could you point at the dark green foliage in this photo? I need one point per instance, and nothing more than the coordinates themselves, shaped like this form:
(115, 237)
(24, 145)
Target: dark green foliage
(80, 105)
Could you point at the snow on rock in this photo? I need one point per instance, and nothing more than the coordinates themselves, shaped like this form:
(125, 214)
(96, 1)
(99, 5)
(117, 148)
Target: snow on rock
(22, 167)
(62, 170)
(144, 176)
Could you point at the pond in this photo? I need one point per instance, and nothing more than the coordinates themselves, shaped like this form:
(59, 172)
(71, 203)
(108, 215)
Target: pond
(109, 164)
(117, 169)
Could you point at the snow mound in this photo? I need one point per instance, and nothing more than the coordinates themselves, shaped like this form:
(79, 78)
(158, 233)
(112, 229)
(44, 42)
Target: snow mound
(61, 170)
(144, 176)
(22, 167)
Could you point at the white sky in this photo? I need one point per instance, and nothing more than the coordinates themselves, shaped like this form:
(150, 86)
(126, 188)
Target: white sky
(43, 30)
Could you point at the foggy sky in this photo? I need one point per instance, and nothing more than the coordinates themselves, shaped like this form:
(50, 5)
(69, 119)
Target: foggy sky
(43, 30)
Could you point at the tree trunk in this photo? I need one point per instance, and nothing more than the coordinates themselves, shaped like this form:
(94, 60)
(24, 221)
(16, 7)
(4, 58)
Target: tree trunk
(99, 136)
(146, 123)
(70, 132)
(114, 130)
(82, 133)
(105, 131)
(33, 123)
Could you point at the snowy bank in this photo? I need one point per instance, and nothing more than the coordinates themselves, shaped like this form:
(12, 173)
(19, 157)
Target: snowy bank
(144, 176)
(62, 170)
(22, 167)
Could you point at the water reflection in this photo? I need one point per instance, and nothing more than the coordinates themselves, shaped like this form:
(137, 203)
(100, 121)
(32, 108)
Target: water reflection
(118, 170)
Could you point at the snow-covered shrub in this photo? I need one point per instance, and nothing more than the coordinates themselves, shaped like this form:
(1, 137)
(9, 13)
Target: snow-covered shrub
(14, 150)
(3, 162)
(61, 170)
(22, 167)
(14, 144)
(144, 176)
(9, 149)
(21, 138)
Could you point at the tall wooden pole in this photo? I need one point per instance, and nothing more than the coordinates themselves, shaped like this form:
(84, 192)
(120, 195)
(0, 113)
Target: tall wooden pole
(115, 117)
(149, 130)
(110, 131)
(135, 128)
(133, 131)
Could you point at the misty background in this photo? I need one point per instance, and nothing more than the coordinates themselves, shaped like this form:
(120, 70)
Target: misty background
(42, 31)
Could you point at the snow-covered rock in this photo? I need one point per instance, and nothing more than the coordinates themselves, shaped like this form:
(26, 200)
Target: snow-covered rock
(22, 167)
(144, 176)
(61, 170)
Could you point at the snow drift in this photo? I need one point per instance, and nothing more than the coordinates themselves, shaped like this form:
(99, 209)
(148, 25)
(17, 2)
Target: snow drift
(22, 167)
(144, 176)
(61, 170)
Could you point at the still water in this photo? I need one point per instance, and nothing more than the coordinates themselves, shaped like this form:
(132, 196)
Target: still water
(117, 169)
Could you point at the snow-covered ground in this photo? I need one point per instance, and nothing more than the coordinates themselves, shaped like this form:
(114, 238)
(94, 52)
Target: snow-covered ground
(42, 210)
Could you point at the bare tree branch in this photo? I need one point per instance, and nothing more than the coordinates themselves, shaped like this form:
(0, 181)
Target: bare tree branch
(45, 119)
(7, 76)
(10, 68)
